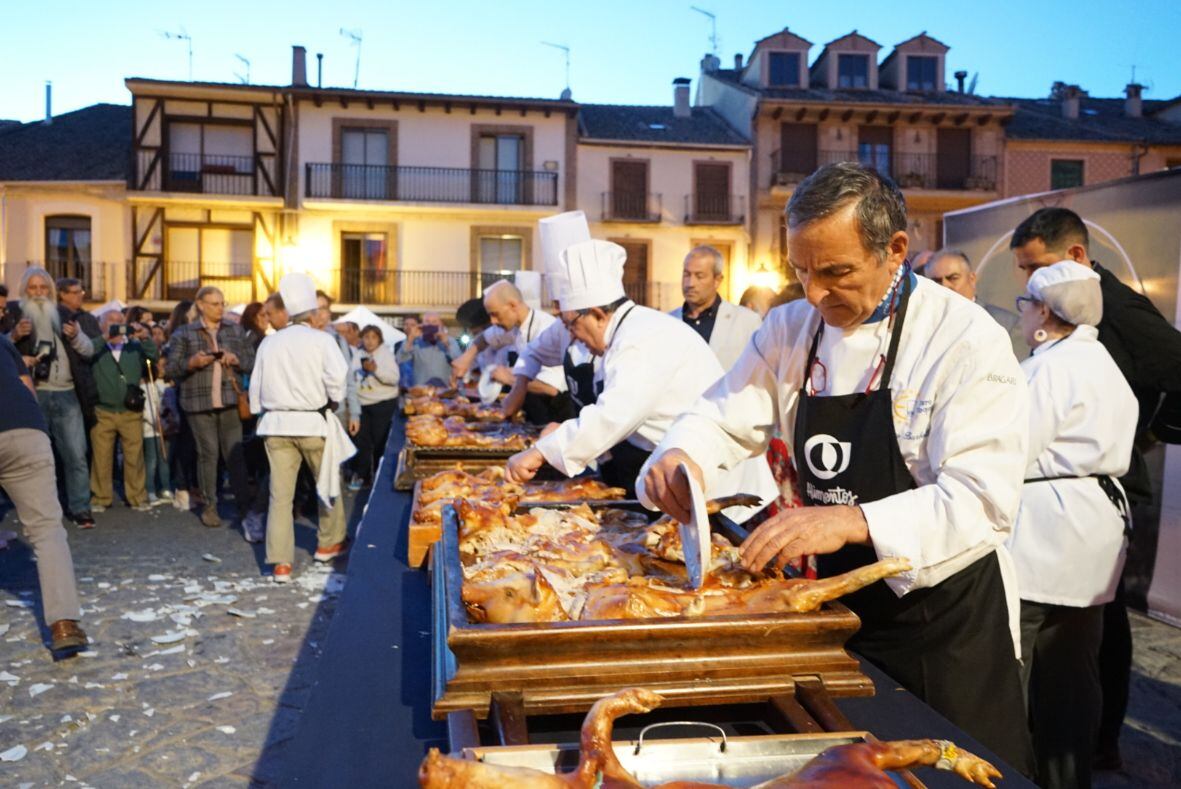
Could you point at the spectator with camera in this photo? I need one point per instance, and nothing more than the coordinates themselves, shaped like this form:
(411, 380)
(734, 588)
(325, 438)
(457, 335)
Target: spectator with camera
(203, 359)
(56, 347)
(430, 350)
(118, 367)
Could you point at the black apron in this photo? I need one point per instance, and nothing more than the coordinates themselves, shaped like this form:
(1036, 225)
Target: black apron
(949, 644)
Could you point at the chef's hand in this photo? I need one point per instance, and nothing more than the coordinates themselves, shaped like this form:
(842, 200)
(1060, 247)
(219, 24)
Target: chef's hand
(804, 530)
(516, 396)
(524, 466)
(503, 375)
(354, 426)
(551, 427)
(666, 485)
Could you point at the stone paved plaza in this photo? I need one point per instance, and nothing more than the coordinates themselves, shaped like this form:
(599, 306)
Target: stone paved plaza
(199, 665)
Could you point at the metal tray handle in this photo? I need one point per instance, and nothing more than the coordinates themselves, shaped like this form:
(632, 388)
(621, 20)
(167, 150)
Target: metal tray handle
(649, 727)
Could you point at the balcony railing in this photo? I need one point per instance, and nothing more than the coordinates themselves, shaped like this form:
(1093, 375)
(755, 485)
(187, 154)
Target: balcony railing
(713, 209)
(180, 279)
(95, 276)
(908, 170)
(631, 207)
(430, 184)
(209, 174)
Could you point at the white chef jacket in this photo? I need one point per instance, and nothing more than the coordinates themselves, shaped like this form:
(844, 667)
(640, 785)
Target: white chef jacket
(547, 349)
(1068, 543)
(655, 368)
(519, 338)
(960, 415)
(297, 370)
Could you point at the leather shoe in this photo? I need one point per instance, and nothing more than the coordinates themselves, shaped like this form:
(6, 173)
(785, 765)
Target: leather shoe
(210, 517)
(65, 634)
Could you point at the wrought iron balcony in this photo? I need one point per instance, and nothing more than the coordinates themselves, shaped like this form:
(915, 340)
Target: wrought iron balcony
(715, 209)
(631, 207)
(908, 170)
(430, 184)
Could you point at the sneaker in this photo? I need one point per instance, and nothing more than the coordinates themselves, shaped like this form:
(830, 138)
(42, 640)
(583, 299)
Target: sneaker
(210, 518)
(181, 501)
(331, 552)
(282, 574)
(165, 497)
(355, 483)
(96, 507)
(145, 507)
(253, 527)
(84, 520)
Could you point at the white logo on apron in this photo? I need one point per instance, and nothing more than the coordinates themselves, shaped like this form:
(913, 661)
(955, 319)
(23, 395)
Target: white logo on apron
(833, 455)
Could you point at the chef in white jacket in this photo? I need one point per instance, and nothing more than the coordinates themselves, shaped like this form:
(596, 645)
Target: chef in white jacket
(298, 372)
(907, 418)
(1068, 543)
(515, 323)
(654, 368)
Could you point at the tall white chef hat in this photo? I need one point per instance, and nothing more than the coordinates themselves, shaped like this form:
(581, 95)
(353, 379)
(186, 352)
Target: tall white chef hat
(299, 293)
(1070, 290)
(592, 275)
(529, 283)
(558, 232)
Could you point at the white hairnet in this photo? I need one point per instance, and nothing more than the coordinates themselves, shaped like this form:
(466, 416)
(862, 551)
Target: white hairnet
(1070, 290)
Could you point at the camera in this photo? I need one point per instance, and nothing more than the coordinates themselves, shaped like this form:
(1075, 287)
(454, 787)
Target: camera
(118, 330)
(45, 354)
(430, 334)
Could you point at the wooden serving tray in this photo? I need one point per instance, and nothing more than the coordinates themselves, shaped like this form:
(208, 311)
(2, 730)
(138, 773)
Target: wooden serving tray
(560, 667)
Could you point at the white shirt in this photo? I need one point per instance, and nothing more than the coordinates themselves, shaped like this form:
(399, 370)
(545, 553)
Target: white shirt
(960, 415)
(733, 328)
(1068, 543)
(534, 324)
(297, 370)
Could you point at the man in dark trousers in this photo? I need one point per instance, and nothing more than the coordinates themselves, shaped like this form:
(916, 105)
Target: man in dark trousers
(1147, 350)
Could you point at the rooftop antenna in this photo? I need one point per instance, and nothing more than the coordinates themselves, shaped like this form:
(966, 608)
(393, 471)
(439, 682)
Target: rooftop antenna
(245, 62)
(355, 37)
(713, 27)
(183, 35)
(972, 83)
(566, 51)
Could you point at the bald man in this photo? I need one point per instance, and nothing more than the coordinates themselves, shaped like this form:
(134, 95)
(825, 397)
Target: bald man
(514, 325)
(952, 269)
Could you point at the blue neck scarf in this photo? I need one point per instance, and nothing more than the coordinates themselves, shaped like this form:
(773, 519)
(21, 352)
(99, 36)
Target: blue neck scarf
(904, 274)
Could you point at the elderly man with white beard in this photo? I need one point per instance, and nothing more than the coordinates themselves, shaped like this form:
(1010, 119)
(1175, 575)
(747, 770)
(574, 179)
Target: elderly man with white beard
(56, 352)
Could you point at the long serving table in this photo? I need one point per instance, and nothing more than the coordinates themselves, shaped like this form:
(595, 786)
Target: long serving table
(368, 719)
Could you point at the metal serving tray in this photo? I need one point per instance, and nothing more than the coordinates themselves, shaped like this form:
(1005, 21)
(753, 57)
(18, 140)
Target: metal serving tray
(732, 761)
(566, 666)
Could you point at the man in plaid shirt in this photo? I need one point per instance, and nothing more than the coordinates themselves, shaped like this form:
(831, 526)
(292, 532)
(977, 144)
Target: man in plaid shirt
(204, 359)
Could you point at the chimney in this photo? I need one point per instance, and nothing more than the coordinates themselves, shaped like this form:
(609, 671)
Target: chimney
(1133, 107)
(960, 76)
(738, 61)
(710, 64)
(681, 98)
(299, 67)
(48, 103)
(1070, 101)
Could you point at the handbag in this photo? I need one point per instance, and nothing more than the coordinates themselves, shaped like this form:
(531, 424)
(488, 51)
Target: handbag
(244, 412)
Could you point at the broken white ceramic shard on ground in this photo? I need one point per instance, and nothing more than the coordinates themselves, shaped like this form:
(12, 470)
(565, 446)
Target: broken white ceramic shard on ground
(39, 688)
(14, 754)
(169, 638)
(223, 695)
(146, 615)
(241, 613)
(226, 729)
(210, 558)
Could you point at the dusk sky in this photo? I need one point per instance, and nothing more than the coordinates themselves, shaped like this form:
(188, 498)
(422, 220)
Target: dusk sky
(622, 52)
